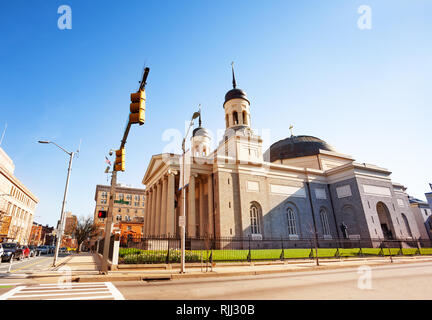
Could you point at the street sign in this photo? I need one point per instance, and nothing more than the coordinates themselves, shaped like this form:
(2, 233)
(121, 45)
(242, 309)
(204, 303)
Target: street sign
(182, 221)
(122, 201)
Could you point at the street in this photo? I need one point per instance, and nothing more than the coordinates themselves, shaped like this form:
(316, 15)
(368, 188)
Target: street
(410, 280)
(407, 281)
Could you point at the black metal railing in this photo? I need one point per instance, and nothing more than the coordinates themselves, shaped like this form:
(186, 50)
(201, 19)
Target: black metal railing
(100, 247)
(168, 249)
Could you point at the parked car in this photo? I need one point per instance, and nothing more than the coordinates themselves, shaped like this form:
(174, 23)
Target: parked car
(43, 249)
(11, 249)
(63, 250)
(51, 249)
(33, 251)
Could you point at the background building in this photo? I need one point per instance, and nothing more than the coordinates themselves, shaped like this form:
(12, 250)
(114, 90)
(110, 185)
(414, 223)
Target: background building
(17, 204)
(36, 235)
(129, 206)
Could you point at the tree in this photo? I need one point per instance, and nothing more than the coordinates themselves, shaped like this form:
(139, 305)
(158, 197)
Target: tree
(85, 228)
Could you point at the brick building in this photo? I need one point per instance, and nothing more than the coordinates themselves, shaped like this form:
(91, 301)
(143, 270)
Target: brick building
(129, 205)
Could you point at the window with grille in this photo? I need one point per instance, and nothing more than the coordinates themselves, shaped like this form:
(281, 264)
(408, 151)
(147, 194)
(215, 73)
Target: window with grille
(254, 216)
(292, 225)
(324, 222)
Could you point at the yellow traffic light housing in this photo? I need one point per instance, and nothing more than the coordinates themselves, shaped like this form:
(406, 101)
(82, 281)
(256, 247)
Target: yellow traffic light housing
(137, 107)
(119, 164)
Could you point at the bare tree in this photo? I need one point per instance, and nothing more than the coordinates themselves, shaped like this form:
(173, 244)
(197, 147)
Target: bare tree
(85, 228)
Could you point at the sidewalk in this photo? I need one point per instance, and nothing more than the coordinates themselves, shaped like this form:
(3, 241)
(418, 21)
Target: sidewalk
(84, 267)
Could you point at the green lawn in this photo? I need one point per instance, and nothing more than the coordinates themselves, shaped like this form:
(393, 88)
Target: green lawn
(132, 256)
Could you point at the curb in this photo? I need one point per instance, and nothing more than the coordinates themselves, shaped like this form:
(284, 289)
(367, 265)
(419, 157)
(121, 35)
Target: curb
(215, 274)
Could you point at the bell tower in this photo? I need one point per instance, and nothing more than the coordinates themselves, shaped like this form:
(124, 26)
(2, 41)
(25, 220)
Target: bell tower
(237, 106)
(200, 141)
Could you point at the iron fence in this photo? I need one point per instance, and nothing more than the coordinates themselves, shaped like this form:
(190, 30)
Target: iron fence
(168, 249)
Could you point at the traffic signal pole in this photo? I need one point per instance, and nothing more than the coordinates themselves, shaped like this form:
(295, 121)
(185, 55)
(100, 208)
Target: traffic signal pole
(109, 217)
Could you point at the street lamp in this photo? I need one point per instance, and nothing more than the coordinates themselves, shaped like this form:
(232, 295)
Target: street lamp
(71, 155)
(183, 225)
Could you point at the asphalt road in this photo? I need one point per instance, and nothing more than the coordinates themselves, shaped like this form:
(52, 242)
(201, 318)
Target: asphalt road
(399, 281)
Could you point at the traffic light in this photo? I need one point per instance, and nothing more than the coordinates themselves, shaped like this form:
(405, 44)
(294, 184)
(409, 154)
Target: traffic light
(102, 214)
(119, 164)
(137, 107)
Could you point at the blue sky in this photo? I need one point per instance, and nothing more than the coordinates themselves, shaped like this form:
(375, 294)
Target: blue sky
(306, 63)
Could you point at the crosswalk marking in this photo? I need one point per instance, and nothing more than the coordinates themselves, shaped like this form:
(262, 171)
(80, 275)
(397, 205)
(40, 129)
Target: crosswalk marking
(62, 291)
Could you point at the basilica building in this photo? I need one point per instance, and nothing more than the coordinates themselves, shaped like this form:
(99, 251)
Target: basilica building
(298, 188)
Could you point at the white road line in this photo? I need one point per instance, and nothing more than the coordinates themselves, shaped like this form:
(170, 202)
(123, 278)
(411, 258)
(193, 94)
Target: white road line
(85, 298)
(59, 290)
(75, 291)
(115, 292)
(54, 294)
(10, 284)
(72, 283)
(10, 293)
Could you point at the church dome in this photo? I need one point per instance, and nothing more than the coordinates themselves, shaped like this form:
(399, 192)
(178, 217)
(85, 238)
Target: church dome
(235, 94)
(297, 146)
(200, 131)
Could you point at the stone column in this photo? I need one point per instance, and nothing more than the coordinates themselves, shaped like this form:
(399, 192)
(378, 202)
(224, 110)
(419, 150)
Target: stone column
(210, 206)
(149, 210)
(145, 212)
(170, 210)
(153, 218)
(190, 220)
(158, 207)
(163, 229)
(201, 208)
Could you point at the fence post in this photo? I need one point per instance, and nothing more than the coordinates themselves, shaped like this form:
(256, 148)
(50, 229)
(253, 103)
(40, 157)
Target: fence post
(418, 246)
(168, 254)
(282, 256)
(400, 248)
(360, 249)
(311, 254)
(249, 257)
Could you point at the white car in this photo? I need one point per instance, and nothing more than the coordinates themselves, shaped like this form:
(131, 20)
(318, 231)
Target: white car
(1, 251)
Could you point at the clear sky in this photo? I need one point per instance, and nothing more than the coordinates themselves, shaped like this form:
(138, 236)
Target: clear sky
(307, 63)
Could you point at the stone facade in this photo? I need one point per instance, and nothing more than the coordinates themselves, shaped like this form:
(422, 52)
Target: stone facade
(235, 191)
(17, 204)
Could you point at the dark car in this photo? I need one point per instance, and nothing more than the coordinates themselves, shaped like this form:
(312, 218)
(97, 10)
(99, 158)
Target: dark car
(43, 249)
(11, 249)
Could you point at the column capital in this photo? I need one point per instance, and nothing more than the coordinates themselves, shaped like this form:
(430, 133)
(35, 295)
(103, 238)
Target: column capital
(172, 172)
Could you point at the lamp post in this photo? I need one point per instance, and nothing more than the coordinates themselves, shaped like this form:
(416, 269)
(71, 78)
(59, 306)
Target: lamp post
(183, 226)
(60, 233)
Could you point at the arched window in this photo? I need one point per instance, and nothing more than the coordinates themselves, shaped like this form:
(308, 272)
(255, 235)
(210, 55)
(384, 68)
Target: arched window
(324, 222)
(235, 118)
(291, 218)
(407, 225)
(254, 216)
(245, 120)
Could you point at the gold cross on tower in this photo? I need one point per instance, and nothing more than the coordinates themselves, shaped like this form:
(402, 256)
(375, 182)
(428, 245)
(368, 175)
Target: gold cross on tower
(291, 127)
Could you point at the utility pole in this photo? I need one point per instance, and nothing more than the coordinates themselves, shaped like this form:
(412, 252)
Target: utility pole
(137, 109)
(61, 225)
